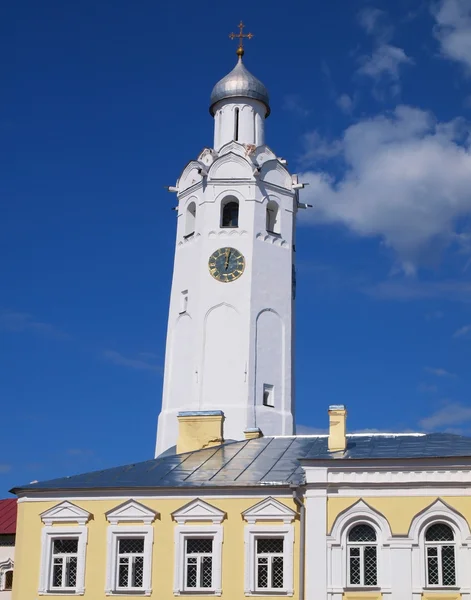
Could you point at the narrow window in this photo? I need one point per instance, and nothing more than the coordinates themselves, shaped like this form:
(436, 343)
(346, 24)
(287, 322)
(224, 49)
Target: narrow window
(273, 218)
(190, 220)
(440, 555)
(268, 395)
(8, 580)
(64, 563)
(183, 301)
(198, 563)
(230, 214)
(362, 562)
(130, 571)
(236, 124)
(270, 564)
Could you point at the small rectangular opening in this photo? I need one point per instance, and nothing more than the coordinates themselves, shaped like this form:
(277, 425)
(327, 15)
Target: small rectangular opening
(183, 301)
(268, 395)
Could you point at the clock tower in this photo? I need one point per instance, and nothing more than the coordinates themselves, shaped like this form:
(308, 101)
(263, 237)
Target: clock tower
(230, 339)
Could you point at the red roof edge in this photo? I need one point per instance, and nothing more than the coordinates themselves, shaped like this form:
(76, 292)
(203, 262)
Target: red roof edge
(8, 510)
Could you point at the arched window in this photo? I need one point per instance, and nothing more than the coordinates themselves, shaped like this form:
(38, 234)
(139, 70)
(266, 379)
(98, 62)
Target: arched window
(8, 580)
(440, 555)
(362, 567)
(190, 219)
(273, 218)
(230, 213)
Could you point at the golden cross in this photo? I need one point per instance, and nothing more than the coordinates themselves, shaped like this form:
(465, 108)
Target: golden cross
(241, 36)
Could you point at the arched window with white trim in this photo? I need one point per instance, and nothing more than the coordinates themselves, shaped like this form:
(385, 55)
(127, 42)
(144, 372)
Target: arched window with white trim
(190, 219)
(230, 212)
(8, 580)
(362, 563)
(440, 555)
(273, 218)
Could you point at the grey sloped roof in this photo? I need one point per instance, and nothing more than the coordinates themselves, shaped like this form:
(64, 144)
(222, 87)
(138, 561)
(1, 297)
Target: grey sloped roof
(257, 462)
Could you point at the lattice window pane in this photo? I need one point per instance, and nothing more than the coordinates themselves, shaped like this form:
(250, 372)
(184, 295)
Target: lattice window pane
(277, 572)
(439, 532)
(448, 565)
(199, 545)
(262, 573)
(206, 571)
(123, 572)
(270, 546)
(131, 545)
(432, 566)
(362, 533)
(71, 571)
(192, 574)
(8, 580)
(65, 546)
(138, 571)
(57, 572)
(355, 577)
(370, 569)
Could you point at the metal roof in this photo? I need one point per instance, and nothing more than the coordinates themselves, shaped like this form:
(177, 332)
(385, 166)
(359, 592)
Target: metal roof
(257, 462)
(8, 511)
(239, 83)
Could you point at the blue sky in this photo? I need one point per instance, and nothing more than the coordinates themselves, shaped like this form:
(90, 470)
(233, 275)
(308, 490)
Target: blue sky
(103, 103)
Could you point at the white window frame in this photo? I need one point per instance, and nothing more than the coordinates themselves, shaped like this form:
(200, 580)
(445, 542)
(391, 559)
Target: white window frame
(49, 534)
(361, 546)
(184, 532)
(5, 567)
(252, 534)
(119, 532)
(439, 546)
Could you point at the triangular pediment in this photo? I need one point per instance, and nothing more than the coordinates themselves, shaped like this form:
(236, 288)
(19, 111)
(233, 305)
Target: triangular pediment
(269, 510)
(65, 512)
(198, 510)
(131, 511)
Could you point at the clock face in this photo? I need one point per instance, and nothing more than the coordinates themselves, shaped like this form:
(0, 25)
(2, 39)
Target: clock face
(226, 264)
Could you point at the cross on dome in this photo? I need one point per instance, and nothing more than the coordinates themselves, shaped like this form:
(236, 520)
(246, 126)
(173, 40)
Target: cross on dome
(241, 35)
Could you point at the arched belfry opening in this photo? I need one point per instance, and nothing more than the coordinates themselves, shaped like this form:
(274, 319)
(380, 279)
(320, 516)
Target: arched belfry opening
(273, 218)
(190, 219)
(230, 212)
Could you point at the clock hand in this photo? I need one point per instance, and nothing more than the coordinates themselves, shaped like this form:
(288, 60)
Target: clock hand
(226, 263)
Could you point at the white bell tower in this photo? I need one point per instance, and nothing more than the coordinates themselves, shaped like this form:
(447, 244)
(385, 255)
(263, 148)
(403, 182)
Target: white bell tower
(230, 339)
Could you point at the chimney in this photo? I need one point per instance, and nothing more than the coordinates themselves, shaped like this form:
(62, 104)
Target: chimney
(253, 433)
(337, 428)
(199, 429)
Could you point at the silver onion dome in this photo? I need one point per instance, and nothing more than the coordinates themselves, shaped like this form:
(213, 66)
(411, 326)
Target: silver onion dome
(239, 83)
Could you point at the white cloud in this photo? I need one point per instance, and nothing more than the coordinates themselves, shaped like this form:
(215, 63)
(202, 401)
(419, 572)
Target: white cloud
(375, 22)
(19, 322)
(141, 363)
(462, 331)
(407, 181)
(452, 413)
(385, 60)
(439, 372)
(453, 29)
(316, 148)
(345, 103)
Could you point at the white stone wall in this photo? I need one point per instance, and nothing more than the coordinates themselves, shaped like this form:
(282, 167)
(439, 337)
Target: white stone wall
(233, 337)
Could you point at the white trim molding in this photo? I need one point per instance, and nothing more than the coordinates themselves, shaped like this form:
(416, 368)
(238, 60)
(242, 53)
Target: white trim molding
(441, 512)
(337, 554)
(131, 511)
(115, 534)
(182, 533)
(198, 510)
(65, 512)
(5, 566)
(251, 534)
(269, 509)
(49, 534)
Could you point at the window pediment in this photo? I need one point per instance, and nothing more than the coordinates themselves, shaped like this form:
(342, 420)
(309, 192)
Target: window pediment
(65, 512)
(198, 510)
(269, 510)
(131, 511)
